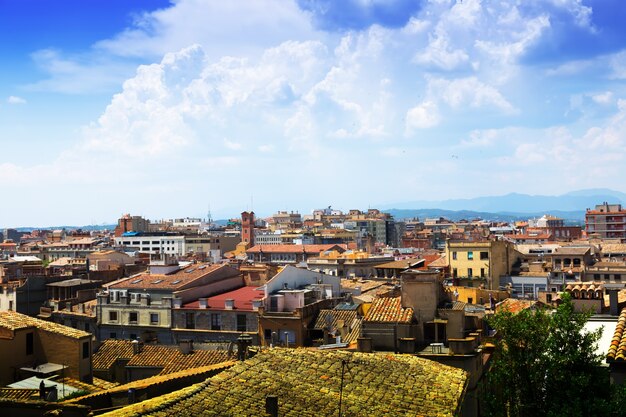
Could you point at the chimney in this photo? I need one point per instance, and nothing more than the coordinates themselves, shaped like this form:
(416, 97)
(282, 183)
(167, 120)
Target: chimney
(185, 346)
(137, 346)
(256, 304)
(229, 304)
(203, 303)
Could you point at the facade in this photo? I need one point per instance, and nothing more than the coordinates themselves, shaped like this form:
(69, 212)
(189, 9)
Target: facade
(153, 243)
(141, 306)
(479, 263)
(291, 303)
(247, 228)
(219, 318)
(607, 221)
(128, 223)
(288, 254)
(26, 341)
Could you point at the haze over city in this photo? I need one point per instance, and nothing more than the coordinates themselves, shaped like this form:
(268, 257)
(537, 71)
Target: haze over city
(166, 108)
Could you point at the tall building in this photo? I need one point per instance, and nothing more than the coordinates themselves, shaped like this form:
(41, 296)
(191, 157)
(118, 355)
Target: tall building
(607, 221)
(247, 228)
(128, 223)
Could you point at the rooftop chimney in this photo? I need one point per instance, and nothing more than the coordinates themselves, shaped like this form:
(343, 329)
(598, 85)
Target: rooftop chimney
(137, 346)
(185, 346)
(229, 304)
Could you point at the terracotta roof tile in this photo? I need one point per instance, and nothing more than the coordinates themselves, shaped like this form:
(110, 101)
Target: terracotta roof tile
(307, 383)
(617, 349)
(170, 358)
(14, 321)
(172, 281)
(388, 310)
(311, 249)
(350, 320)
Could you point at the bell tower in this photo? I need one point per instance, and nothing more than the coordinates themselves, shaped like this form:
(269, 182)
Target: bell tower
(247, 228)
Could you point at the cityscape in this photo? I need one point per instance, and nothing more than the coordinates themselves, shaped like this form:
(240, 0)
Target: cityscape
(313, 208)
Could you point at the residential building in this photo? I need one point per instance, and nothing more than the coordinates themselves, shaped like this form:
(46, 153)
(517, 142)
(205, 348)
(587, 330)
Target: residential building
(348, 264)
(288, 254)
(291, 303)
(219, 318)
(606, 221)
(479, 263)
(141, 306)
(32, 347)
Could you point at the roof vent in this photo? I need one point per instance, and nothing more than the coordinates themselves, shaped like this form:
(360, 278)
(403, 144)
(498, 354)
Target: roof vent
(229, 304)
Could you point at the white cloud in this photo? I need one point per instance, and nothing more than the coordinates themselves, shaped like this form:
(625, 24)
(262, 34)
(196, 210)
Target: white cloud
(16, 100)
(603, 98)
(423, 116)
(458, 93)
(234, 146)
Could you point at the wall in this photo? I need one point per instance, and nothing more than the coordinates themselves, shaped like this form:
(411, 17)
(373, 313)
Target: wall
(68, 351)
(297, 278)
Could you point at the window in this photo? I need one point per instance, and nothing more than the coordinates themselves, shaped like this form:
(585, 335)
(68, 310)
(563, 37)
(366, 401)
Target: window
(190, 321)
(30, 343)
(454, 273)
(470, 300)
(132, 317)
(482, 272)
(216, 321)
(112, 315)
(470, 255)
(470, 272)
(241, 323)
(484, 255)
(133, 336)
(454, 256)
(85, 350)
(549, 298)
(617, 277)
(154, 318)
(87, 329)
(112, 335)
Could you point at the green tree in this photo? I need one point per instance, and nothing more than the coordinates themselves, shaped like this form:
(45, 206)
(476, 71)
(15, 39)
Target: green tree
(545, 364)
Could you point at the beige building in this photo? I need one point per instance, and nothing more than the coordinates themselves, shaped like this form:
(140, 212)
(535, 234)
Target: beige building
(34, 347)
(141, 306)
(476, 263)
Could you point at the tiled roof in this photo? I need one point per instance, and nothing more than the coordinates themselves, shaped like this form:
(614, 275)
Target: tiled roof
(401, 264)
(617, 349)
(307, 383)
(154, 381)
(388, 310)
(14, 321)
(311, 249)
(614, 248)
(170, 358)
(20, 394)
(172, 281)
(351, 322)
(514, 305)
(242, 296)
(571, 250)
(440, 262)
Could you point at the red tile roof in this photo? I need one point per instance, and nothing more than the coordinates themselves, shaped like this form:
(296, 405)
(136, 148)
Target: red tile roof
(172, 281)
(617, 349)
(310, 249)
(514, 305)
(242, 296)
(388, 310)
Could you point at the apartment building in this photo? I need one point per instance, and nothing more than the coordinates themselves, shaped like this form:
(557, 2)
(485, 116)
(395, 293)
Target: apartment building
(606, 221)
(483, 262)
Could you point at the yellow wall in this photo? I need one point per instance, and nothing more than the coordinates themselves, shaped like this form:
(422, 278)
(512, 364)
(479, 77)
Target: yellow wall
(498, 262)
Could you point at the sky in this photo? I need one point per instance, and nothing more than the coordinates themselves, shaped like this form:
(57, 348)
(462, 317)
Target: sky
(170, 108)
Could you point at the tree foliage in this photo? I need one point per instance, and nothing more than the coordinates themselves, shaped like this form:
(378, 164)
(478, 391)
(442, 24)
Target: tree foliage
(545, 364)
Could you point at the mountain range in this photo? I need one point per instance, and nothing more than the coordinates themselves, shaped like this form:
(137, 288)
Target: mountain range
(513, 206)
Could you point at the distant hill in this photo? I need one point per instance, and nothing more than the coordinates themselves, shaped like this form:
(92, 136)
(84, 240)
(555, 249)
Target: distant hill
(570, 217)
(571, 205)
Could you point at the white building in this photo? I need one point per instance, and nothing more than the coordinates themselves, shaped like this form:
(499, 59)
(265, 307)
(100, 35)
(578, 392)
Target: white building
(154, 244)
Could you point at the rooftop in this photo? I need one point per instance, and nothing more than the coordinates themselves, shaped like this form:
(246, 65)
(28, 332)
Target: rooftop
(242, 297)
(170, 358)
(307, 383)
(173, 281)
(12, 320)
(388, 310)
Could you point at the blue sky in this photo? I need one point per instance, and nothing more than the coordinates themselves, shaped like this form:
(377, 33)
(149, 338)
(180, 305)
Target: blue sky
(163, 109)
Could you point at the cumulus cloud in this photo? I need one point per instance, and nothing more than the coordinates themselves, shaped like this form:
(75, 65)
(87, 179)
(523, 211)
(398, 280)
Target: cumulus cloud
(16, 100)
(423, 116)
